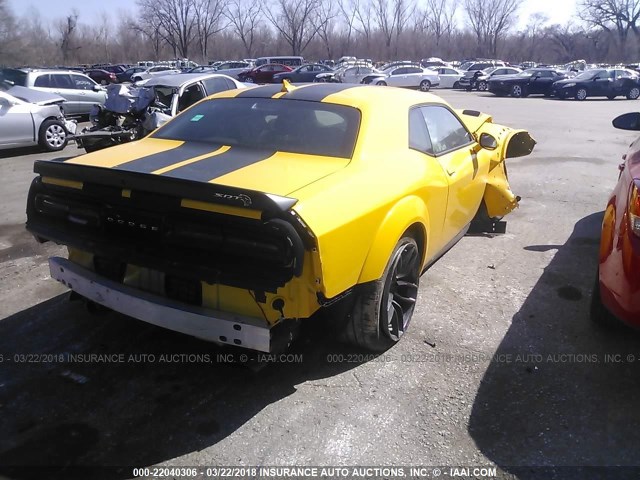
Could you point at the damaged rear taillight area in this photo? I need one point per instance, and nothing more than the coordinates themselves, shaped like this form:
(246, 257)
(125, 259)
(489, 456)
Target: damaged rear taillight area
(634, 208)
(259, 250)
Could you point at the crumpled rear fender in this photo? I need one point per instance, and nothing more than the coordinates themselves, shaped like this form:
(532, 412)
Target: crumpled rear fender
(511, 143)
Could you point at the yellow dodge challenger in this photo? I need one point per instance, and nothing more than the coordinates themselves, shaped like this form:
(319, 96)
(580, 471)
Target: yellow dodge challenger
(255, 209)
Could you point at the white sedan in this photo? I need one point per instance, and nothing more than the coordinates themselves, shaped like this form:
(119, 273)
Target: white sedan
(410, 77)
(153, 72)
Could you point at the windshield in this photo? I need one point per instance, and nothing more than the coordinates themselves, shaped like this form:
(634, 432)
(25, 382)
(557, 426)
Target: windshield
(312, 128)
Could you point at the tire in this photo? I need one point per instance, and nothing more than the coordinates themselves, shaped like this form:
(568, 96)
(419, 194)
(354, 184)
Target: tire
(633, 93)
(581, 94)
(483, 86)
(249, 80)
(395, 294)
(517, 91)
(425, 86)
(52, 135)
(611, 97)
(381, 83)
(456, 85)
(598, 312)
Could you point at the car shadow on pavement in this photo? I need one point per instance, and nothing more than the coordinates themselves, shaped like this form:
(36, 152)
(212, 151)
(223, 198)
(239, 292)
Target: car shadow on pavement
(147, 395)
(560, 391)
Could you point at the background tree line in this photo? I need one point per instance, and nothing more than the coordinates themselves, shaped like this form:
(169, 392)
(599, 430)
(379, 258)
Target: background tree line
(203, 30)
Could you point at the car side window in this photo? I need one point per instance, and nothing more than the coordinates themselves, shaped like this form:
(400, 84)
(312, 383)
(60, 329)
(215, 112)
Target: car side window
(414, 70)
(445, 130)
(82, 83)
(399, 71)
(418, 135)
(43, 81)
(215, 85)
(191, 95)
(62, 81)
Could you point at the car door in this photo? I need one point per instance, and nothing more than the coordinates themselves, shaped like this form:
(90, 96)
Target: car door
(602, 84)
(464, 163)
(16, 124)
(87, 93)
(412, 77)
(264, 74)
(541, 82)
(397, 77)
(434, 176)
(622, 82)
(63, 85)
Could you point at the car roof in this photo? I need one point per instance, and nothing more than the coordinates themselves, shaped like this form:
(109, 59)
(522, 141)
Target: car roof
(353, 95)
(179, 79)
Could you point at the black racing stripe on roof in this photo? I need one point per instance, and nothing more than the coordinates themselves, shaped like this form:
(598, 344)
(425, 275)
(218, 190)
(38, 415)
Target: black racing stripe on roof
(265, 91)
(156, 161)
(213, 167)
(317, 93)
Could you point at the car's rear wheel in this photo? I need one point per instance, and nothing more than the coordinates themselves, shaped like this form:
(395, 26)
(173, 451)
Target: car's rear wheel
(517, 91)
(425, 85)
(581, 94)
(53, 135)
(382, 83)
(456, 85)
(381, 315)
(482, 86)
(633, 93)
(598, 312)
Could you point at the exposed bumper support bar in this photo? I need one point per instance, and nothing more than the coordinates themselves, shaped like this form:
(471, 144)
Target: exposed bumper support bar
(211, 325)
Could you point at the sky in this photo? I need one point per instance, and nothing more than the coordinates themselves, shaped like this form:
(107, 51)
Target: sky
(558, 11)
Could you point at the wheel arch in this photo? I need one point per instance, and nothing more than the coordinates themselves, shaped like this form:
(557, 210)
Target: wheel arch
(409, 216)
(39, 129)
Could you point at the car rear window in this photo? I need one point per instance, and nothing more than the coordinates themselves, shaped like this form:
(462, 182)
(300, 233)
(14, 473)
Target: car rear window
(312, 128)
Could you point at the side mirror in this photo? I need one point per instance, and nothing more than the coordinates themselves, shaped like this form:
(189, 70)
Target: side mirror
(627, 121)
(488, 141)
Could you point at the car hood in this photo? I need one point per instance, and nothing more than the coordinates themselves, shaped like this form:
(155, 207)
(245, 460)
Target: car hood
(35, 96)
(272, 172)
(565, 81)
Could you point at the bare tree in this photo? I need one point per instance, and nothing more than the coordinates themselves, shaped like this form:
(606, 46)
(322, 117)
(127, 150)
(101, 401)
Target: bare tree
(67, 31)
(176, 21)
(440, 19)
(297, 21)
(244, 17)
(208, 15)
(327, 12)
(490, 20)
(348, 12)
(364, 15)
(390, 17)
(7, 26)
(617, 17)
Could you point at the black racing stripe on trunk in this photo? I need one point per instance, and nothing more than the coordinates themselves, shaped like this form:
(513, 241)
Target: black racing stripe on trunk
(156, 161)
(317, 93)
(219, 165)
(266, 91)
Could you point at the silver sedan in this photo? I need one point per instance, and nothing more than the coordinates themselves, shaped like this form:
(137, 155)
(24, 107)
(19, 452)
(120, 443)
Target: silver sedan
(29, 117)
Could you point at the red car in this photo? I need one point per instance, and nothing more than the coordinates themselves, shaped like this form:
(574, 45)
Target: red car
(100, 76)
(263, 73)
(616, 295)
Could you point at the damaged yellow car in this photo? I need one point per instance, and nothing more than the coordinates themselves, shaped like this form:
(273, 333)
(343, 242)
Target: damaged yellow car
(257, 208)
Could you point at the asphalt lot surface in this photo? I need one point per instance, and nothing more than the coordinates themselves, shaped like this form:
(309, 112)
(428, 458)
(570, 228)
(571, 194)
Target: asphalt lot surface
(501, 365)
